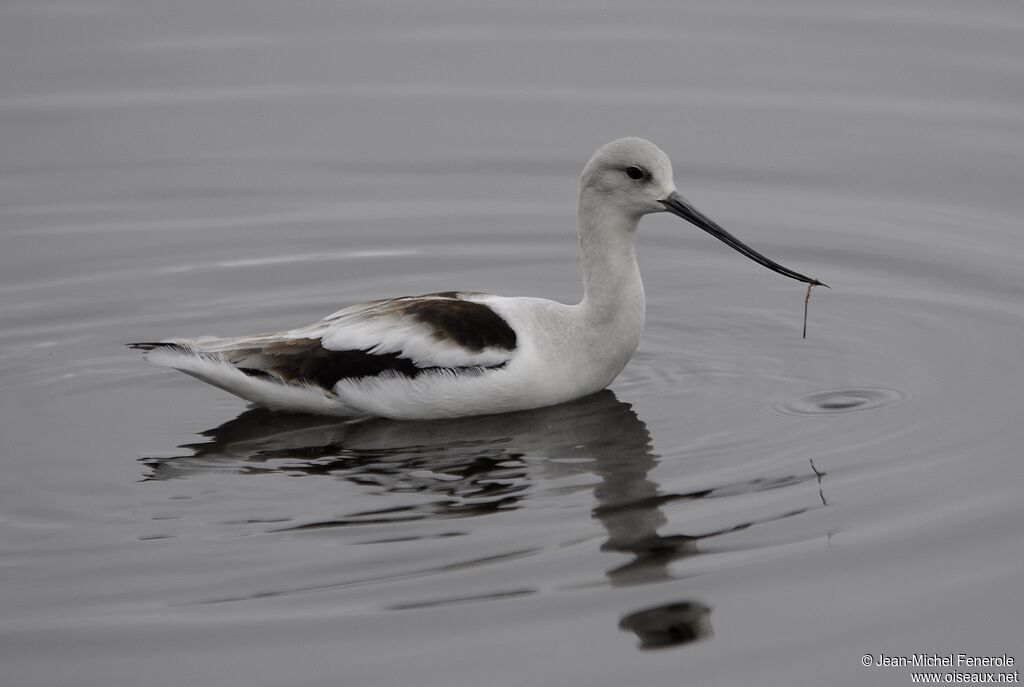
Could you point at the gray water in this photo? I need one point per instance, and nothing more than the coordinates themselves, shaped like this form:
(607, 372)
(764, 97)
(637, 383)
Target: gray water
(742, 507)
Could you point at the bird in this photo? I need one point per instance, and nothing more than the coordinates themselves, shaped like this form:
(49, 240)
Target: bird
(463, 353)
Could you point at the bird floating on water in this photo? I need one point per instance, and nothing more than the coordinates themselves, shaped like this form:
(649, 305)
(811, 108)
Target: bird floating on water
(461, 353)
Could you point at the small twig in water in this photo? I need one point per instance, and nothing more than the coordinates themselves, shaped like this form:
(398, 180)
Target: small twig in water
(821, 491)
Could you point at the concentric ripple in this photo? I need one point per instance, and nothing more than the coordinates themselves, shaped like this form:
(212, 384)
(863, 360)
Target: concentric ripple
(835, 401)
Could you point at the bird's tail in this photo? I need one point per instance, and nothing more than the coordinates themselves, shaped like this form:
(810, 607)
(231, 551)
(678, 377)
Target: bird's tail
(253, 385)
(150, 345)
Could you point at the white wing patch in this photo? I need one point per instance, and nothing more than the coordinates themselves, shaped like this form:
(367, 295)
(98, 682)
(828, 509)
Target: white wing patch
(447, 331)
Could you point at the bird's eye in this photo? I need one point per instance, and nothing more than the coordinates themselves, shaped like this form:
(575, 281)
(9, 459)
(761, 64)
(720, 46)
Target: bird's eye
(635, 173)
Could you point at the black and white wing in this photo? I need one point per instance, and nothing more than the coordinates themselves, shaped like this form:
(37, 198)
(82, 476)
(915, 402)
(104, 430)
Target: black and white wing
(405, 337)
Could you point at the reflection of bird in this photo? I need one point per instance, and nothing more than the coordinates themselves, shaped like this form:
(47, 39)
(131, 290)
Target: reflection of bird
(474, 465)
(479, 465)
(456, 353)
(682, 622)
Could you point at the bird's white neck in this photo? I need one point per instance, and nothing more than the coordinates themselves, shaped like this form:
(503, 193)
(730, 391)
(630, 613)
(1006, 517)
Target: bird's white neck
(612, 288)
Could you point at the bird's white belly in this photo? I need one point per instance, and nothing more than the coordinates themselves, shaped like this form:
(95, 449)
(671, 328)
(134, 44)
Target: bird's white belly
(445, 393)
(545, 370)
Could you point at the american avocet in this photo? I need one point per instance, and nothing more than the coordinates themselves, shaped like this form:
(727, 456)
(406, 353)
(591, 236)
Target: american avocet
(461, 353)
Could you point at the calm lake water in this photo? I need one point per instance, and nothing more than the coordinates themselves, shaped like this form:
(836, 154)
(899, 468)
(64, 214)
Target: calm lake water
(742, 507)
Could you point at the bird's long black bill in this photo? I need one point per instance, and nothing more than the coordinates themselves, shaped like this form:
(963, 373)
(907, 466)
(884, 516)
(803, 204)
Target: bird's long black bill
(679, 206)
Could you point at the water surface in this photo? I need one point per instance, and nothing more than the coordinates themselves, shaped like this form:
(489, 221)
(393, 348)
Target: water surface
(743, 506)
